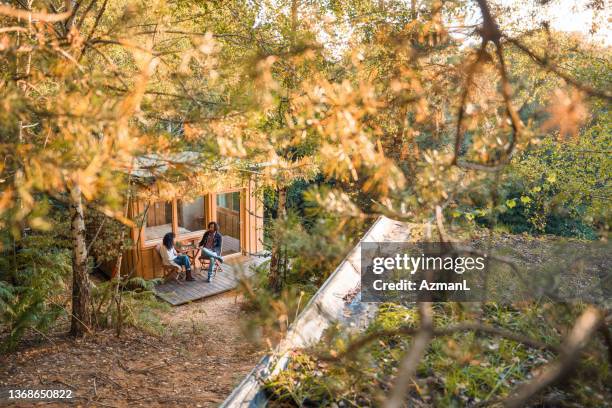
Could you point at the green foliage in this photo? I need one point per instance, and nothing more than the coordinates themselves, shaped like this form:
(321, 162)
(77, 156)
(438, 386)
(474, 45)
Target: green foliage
(312, 240)
(458, 370)
(105, 235)
(550, 190)
(560, 185)
(33, 284)
(296, 200)
(313, 251)
(132, 304)
(272, 313)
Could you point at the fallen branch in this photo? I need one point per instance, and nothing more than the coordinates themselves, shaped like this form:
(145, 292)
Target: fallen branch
(584, 329)
(408, 366)
(106, 377)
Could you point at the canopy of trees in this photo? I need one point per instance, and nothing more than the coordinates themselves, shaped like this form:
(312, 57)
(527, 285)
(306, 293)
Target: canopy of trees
(439, 112)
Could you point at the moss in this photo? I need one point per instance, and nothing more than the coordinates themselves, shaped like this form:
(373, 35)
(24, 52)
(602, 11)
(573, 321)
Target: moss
(459, 370)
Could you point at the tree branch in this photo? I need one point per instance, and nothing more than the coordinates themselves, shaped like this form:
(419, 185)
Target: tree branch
(33, 15)
(408, 366)
(549, 66)
(581, 333)
(441, 332)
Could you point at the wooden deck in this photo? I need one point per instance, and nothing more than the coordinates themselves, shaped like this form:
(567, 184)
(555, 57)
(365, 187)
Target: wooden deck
(178, 293)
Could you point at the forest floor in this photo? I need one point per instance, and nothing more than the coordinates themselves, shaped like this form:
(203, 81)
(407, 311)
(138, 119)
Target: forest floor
(199, 359)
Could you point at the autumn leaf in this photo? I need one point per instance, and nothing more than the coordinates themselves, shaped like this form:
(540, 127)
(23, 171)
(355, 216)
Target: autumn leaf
(567, 113)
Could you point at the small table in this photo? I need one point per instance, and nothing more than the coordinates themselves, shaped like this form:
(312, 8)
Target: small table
(192, 252)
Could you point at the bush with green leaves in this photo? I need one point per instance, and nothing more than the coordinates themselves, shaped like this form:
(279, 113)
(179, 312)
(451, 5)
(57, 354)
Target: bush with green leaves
(33, 286)
(550, 190)
(130, 302)
(35, 280)
(106, 236)
(271, 312)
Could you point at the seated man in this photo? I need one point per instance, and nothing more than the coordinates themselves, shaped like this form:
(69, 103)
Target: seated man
(171, 258)
(211, 247)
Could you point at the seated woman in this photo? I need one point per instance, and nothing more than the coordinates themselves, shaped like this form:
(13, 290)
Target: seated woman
(172, 258)
(211, 247)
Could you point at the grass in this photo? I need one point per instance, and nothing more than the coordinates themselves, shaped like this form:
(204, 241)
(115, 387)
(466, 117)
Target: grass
(457, 371)
(465, 369)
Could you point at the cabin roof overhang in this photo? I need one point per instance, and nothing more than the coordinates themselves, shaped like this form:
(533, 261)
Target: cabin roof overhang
(163, 177)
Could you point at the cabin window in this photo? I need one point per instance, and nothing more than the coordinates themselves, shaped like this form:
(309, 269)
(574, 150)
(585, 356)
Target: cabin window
(231, 201)
(159, 220)
(190, 215)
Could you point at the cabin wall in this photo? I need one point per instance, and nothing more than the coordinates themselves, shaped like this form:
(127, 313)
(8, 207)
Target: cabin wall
(128, 260)
(143, 259)
(254, 211)
(229, 222)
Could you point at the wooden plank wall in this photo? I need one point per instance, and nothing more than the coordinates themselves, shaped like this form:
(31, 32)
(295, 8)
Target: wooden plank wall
(229, 222)
(159, 214)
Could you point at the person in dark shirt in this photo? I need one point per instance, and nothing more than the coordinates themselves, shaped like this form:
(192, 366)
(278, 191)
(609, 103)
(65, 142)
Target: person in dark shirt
(211, 247)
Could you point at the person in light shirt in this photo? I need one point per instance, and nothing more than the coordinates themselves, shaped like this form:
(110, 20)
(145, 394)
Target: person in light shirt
(171, 257)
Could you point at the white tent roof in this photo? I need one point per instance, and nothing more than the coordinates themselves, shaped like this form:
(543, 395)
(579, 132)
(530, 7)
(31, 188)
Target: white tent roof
(328, 306)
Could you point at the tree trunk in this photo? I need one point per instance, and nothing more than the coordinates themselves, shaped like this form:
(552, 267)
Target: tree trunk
(118, 292)
(274, 278)
(117, 278)
(294, 20)
(81, 319)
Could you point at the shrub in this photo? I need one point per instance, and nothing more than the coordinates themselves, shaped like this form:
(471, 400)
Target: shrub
(33, 288)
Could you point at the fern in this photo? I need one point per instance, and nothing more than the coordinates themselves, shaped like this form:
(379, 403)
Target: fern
(32, 290)
(138, 305)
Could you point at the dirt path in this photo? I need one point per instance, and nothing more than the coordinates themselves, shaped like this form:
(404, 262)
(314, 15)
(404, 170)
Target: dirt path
(196, 363)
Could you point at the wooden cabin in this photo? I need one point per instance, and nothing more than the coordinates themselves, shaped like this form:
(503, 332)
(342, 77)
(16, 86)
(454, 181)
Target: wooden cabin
(186, 211)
